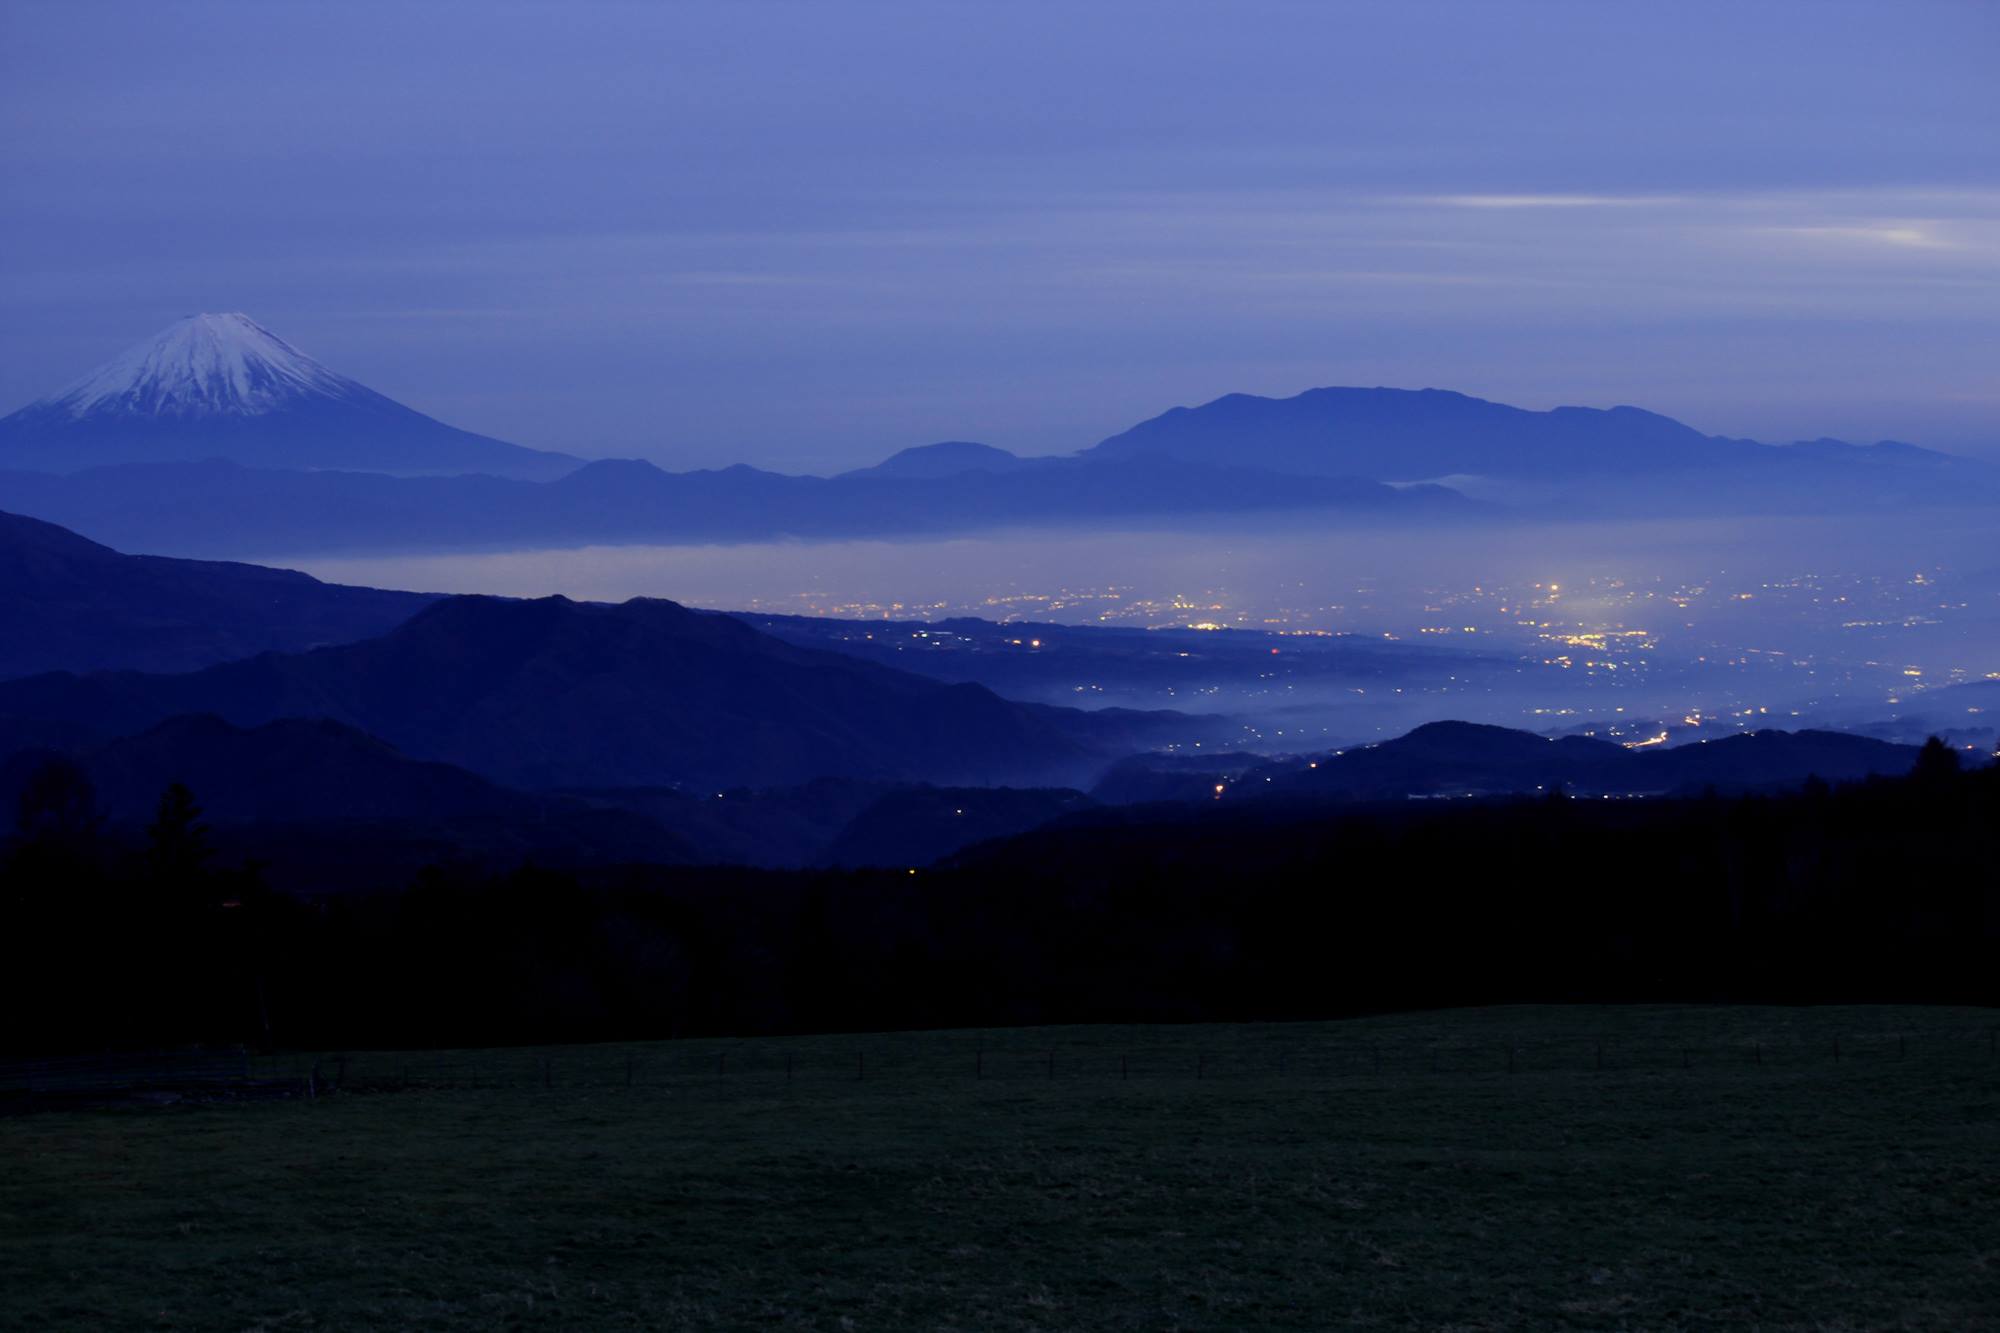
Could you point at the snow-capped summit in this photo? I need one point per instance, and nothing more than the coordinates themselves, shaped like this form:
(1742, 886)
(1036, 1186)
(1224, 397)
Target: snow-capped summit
(225, 387)
(204, 365)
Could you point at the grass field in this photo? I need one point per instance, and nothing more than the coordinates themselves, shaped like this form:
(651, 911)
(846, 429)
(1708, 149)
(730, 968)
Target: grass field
(1637, 1168)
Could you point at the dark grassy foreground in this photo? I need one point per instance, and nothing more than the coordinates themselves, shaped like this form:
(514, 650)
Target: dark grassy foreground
(1378, 1173)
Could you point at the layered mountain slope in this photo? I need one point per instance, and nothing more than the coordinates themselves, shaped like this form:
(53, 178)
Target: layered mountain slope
(557, 693)
(69, 604)
(225, 509)
(224, 386)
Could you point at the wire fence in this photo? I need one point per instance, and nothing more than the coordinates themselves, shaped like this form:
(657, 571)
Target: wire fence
(930, 1058)
(861, 1061)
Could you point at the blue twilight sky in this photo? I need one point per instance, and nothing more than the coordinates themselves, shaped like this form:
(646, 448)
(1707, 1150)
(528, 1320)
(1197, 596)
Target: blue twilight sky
(803, 235)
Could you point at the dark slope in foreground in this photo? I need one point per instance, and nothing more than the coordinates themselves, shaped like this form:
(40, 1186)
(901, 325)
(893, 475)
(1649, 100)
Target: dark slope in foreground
(1880, 890)
(558, 693)
(69, 604)
(288, 771)
(328, 809)
(323, 809)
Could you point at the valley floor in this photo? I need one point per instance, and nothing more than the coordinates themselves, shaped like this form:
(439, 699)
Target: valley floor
(1531, 1168)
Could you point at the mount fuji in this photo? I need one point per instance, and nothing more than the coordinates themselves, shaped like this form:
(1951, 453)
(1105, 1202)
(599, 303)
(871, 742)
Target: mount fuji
(226, 387)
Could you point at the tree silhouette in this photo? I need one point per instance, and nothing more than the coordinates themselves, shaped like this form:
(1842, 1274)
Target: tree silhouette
(1936, 762)
(57, 804)
(177, 848)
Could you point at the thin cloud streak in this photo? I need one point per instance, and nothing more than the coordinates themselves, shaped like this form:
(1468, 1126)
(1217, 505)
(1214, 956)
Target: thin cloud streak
(1547, 200)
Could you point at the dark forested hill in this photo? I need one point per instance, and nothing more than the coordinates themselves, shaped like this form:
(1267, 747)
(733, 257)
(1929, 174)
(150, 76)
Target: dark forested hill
(558, 693)
(325, 808)
(69, 604)
(289, 771)
(1469, 759)
(1877, 891)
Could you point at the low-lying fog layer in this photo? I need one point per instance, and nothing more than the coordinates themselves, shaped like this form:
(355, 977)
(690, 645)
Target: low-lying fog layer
(1803, 617)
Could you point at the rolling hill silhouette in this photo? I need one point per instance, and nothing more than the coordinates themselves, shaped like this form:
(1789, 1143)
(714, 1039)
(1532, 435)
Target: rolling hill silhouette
(70, 604)
(1473, 759)
(554, 693)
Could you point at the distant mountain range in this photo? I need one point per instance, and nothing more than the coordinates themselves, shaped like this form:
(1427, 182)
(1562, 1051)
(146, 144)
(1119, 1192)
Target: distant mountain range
(1401, 435)
(224, 386)
(218, 438)
(951, 458)
(225, 509)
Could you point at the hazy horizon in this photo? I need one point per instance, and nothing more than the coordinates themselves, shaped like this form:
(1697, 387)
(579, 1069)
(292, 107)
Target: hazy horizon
(1836, 616)
(804, 238)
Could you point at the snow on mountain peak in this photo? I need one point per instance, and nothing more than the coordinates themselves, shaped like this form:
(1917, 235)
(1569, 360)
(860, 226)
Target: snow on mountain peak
(203, 365)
